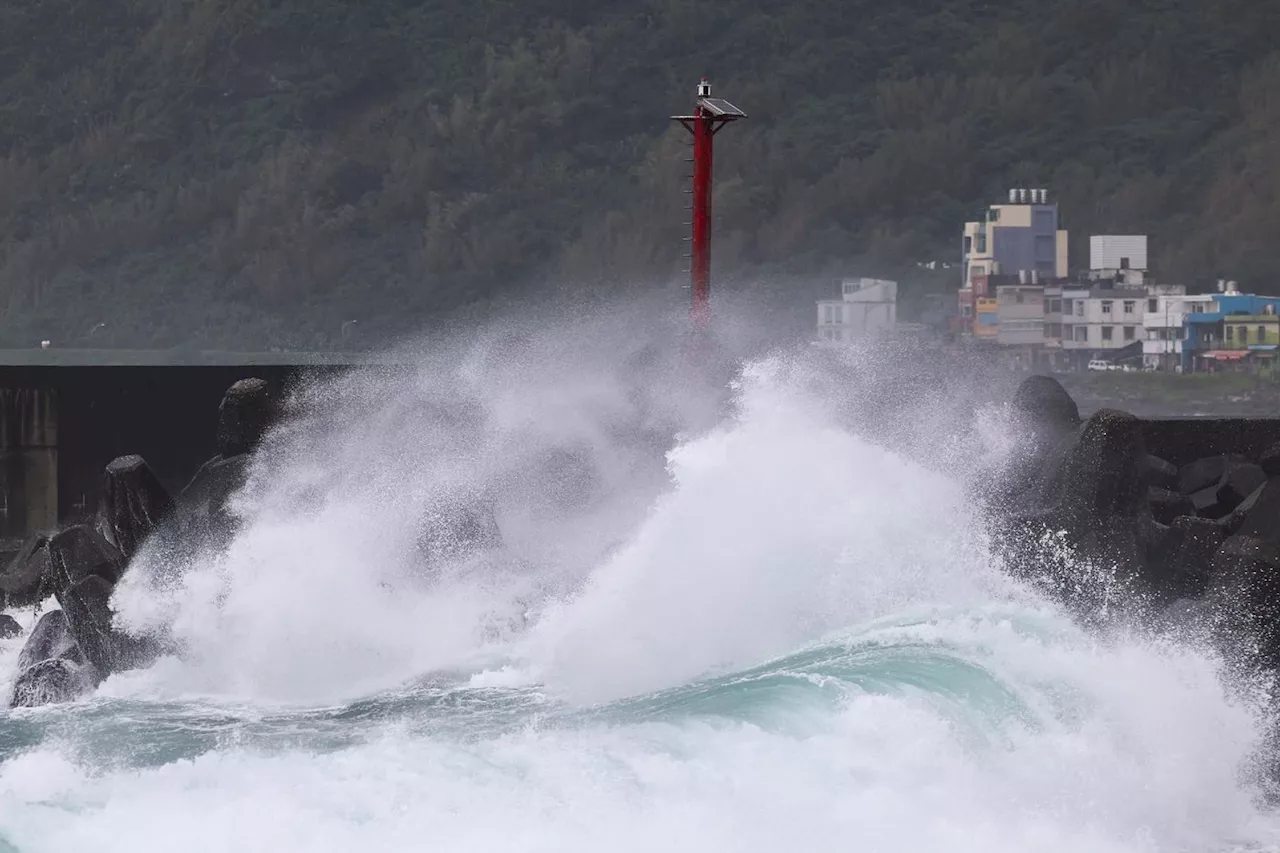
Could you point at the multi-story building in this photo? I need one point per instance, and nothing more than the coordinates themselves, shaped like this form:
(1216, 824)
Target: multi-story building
(986, 320)
(1020, 333)
(1255, 336)
(1019, 239)
(1164, 324)
(1053, 324)
(867, 306)
(1098, 321)
(1204, 343)
(1020, 309)
(937, 312)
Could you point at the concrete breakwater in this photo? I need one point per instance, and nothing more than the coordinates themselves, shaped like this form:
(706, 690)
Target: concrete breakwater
(71, 649)
(1179, 519)
(80, 561)
(1172, 520)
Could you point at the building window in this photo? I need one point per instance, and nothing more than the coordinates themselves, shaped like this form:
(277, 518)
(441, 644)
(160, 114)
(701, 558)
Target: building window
(1130, 332)
(1106, 331)
(1153, 305)
(1244, 335)
(1262, 334)
(1106, 306)
(1129, 306)
(1081, 333)
(1079, 307)
(968, 244)
(1056, 307)
(966, 311)
(1231, 333)
(982, 242)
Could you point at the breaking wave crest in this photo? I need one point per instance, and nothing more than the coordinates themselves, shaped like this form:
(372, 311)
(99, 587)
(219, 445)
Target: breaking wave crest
(721, 615)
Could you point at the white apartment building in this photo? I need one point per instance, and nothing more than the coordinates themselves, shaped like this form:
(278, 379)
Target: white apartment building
(1165, 326)
(867, 306)
(1098, 319)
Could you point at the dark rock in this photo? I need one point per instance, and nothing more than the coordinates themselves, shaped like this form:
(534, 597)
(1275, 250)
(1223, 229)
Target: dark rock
(1270, 461)
(1046, 417)
(28, 579)
(51, 667)
(1045, 406)
(1240, 482)
(247, 410)
(1117, 548)
(1160, 474)
(50, 638)
(1180, 561)
(1262, 520)
(133, 504)
(80, 552)
(1246, 594)
(52, 681)
(1203, 473)
(9, 627)
(1232, 522)
(202, 512)
(1084, 530)
(1098, 476)
(89, 619)
(1208, 503)
(1167, 505)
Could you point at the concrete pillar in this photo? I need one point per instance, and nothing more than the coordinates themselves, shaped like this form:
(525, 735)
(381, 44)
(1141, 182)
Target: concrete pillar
(28, 461)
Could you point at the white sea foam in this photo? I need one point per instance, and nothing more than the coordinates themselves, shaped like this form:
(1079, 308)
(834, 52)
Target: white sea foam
(770, 528)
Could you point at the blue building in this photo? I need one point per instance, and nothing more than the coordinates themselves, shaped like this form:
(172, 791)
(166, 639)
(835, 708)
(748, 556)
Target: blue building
(1204, 327)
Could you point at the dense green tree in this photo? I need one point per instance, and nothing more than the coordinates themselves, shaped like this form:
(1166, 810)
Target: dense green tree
(253, 173)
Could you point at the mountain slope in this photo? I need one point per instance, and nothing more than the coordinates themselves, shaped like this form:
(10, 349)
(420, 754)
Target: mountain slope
(252, 173)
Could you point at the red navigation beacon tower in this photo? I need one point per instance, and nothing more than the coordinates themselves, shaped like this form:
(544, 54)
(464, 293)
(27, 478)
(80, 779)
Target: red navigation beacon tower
(709, 116)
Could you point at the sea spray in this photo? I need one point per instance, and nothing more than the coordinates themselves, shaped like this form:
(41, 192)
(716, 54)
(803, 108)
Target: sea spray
(779, 527)
(739, 621)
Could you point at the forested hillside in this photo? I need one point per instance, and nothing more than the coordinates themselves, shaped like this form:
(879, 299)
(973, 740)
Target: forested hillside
(256, 172)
